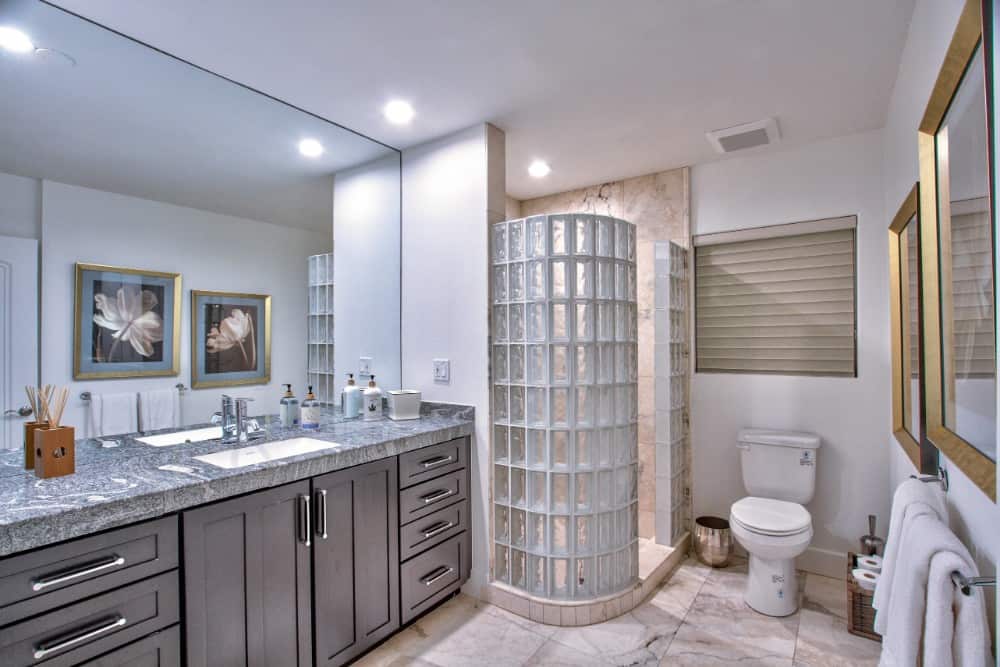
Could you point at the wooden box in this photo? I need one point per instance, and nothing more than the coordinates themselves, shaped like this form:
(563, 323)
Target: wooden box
(54, 452)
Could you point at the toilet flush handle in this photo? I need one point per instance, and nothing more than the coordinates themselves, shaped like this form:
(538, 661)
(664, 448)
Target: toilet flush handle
(742, 445)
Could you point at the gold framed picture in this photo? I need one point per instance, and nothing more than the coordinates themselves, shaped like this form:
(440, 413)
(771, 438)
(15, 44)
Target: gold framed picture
(230, 339)
(126, 323)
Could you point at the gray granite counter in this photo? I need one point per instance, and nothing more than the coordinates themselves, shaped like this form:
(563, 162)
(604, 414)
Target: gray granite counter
(116, 486)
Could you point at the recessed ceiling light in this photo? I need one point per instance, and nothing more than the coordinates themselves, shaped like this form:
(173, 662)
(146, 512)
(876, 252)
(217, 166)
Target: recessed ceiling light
(399, 112)
(310, 148)
(15, 41)
(539, 169)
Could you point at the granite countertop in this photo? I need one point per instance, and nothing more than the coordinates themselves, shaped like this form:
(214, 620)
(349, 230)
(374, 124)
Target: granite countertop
(132, 482)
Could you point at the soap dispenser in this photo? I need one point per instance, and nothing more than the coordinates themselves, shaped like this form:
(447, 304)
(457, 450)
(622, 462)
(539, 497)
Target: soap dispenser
(289, 409)
(350, 398)
(373, 401)
(310, 411)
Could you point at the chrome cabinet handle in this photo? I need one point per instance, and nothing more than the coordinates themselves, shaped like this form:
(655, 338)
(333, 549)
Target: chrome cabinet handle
(305, 520)
(439, 495)
(438, 528)
(44, 582)
(436, 575)
(45, 648)
(321, 513)
(441, 460)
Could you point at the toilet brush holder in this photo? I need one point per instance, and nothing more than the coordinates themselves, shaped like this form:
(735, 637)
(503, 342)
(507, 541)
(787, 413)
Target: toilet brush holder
(29, 442)
(55, 453)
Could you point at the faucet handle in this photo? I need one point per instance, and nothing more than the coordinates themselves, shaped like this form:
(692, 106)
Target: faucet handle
(216, 418)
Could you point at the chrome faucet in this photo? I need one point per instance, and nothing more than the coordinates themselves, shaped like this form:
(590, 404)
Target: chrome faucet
(236, 426)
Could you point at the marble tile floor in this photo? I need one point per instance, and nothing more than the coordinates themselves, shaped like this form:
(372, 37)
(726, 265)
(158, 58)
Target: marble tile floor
(697, 617)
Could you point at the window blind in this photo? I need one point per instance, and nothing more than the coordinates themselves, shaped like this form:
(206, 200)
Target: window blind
(783, 303)
(972, 290)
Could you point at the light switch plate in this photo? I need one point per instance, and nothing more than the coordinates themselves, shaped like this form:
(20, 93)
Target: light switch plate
(365, 366)
(442, 371)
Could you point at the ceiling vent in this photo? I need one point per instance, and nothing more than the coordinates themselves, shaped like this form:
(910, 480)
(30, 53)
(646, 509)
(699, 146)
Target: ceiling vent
(747, 135)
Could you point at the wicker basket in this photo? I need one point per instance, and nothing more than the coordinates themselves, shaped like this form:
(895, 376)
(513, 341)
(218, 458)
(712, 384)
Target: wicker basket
(860, 614)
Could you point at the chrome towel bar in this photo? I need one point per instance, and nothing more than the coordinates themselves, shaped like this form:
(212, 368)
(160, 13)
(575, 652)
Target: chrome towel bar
(86, 395)
(966, 584)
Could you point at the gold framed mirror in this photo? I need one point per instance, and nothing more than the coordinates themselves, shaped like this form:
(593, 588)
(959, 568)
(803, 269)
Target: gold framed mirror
(957, 259)
(905, 317)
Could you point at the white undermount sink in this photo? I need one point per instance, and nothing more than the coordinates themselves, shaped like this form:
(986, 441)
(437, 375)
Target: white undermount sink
(181, 437)
(268, 451)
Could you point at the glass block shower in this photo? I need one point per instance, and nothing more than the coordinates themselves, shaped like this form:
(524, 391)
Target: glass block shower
(565, 412)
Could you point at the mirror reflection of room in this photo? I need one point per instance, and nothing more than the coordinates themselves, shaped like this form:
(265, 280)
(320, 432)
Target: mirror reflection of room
(130, 178)
(966, 263)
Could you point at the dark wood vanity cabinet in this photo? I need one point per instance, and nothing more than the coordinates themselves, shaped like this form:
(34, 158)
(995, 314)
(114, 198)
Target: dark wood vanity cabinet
(314, 572)
(247, 580)
(355, 560)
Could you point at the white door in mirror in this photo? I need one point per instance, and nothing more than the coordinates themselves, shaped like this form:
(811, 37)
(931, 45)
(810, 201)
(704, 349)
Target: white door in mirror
(269, 451)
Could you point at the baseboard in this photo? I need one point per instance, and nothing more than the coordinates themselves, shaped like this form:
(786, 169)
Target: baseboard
(823, 561)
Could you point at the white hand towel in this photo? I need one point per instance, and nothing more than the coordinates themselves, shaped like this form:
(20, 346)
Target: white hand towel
(955, 626)
(160, 408)
(926, 497)
(926, 539)
(113, 414)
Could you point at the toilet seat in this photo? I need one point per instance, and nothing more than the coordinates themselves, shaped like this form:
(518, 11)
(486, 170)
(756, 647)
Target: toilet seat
(770, 517)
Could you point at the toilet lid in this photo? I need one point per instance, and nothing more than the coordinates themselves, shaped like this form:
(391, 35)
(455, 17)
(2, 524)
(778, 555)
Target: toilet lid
(771, 517)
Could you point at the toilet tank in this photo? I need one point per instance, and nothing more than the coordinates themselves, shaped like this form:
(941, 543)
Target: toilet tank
(779, 464)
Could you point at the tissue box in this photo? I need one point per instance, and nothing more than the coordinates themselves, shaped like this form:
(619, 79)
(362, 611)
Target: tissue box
(404, 404)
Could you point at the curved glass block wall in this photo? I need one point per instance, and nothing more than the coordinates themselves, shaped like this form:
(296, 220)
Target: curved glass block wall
(565, 412)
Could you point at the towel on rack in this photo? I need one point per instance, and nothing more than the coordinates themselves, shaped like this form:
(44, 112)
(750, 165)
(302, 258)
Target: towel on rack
(921, 615)
(160, 408)
(113, 414)
(912, 498)
(955, 626)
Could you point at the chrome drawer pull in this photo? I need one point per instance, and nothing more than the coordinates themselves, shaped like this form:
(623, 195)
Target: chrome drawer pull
(321, 510)
(439, 461)
(44, 582)
(43, 649)
(436, 575)
(438, 528)
(305, 520)
(437, 495)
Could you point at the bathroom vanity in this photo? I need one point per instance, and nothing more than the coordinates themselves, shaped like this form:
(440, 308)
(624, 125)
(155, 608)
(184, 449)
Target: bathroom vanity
(151, 554)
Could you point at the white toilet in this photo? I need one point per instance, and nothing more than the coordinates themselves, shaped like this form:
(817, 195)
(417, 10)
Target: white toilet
(779, 473)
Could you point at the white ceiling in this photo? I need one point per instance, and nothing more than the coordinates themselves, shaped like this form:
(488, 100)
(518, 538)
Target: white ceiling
(602, 89)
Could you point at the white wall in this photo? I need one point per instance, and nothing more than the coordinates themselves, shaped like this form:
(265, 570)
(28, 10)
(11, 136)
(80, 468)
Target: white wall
(210, 251)
(827, 179)
(20, 206)
(974, 517)
(445, 272)
(366, 270)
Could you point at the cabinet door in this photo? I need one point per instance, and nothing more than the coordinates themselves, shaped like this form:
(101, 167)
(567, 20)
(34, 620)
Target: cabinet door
(356, 567)
(247, 580)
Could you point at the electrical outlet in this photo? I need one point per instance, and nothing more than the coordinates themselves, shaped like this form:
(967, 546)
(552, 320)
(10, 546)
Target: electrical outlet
(442, 371)
(365, 366)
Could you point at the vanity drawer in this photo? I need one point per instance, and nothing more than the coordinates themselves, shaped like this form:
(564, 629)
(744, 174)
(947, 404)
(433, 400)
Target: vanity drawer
(432, 576)
(429, 462)
(94, 626)
(50, 577)
(430, 496)
(160, 649)
(433, 529)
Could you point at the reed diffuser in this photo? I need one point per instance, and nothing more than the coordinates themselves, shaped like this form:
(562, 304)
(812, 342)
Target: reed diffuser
(34, 401)
(54, 443)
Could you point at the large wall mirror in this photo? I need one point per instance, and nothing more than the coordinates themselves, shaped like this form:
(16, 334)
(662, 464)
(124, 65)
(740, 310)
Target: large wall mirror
(959, 290)
(117, 155)
(904, 291)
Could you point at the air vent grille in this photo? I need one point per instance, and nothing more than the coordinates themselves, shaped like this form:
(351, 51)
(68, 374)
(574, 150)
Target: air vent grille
(747, 135)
